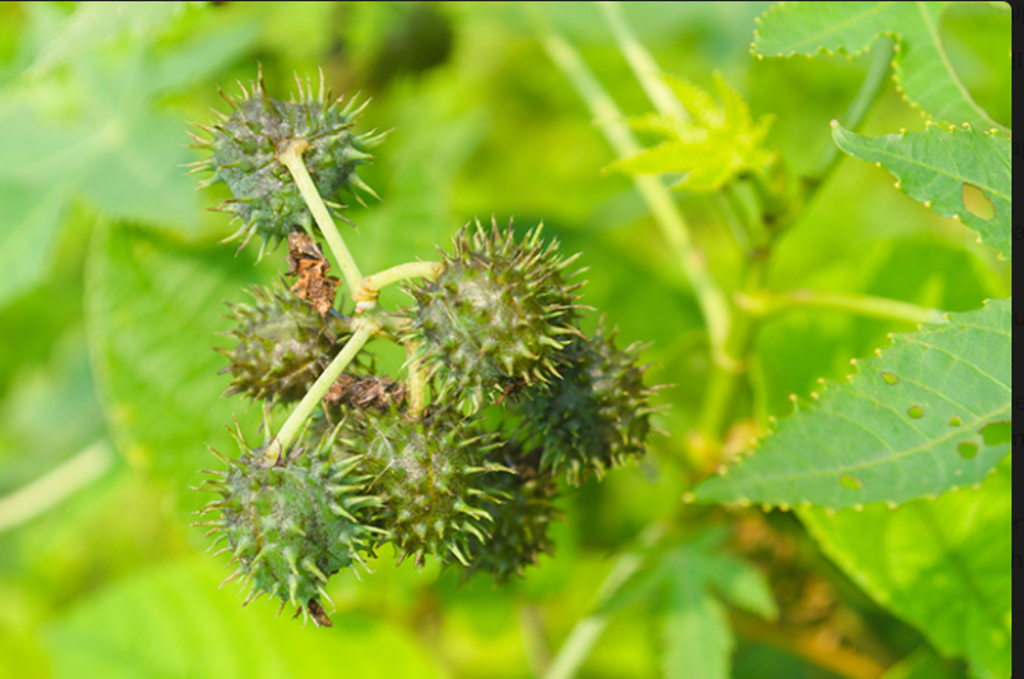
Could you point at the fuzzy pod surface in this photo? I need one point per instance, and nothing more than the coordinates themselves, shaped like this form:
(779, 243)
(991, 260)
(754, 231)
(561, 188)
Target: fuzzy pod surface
(291, 524)
(496, 317)
(245, 147)
(283, 345)
(431, 475)
(596, 416)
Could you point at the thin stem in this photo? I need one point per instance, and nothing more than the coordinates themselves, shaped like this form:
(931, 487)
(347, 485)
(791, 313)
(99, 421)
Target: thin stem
(674, 230)
(588, 630)
(293, 425)
(417, 383)
(856, 113)
(371, 286)
(640, 60)
(767, 304)
(291, 157)
(55, 486)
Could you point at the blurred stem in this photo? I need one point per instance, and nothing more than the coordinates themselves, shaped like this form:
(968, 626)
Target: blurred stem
(588, 630)
(857, 112)
(291, 157)
(365, 329)
(640, 60)
(720, 396)
(766, 304)
(56, 485)
(531, 628)
(712, 301)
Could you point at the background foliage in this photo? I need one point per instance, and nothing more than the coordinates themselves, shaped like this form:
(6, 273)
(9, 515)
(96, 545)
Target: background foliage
(111, 283)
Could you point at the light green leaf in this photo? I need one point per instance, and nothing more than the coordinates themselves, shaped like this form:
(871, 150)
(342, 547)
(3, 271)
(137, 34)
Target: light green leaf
(698, 640)
(95, 23)
(720, 142)
(174, 622)
(930, 413)
(940, 168)
(941, 565)
(679, 582)
(24, 248)
(153, 313)
(922, 66)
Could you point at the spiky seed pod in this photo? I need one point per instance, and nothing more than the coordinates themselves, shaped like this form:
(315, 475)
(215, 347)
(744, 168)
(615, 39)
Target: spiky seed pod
(595, 417)
(496, 317)
(283, 345)
(432, 476)
(292, 524)
(245, 148)
(519, 527)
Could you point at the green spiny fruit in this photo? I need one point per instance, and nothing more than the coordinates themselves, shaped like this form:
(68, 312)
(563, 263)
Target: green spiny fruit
(496, 317)
(292, 523)
(431, 475)
(245, 148)
(519, 528)
(596, 416)
(283, 345)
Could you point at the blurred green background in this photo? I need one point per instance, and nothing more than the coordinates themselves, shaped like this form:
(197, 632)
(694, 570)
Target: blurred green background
(113, 281)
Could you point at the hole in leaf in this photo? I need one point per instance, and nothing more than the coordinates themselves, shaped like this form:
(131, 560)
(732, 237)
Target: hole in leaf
(967, 450)
(995, 433)
(955, 421)
(850, 482)
(977, 203)
(890, 378)
(916, 412)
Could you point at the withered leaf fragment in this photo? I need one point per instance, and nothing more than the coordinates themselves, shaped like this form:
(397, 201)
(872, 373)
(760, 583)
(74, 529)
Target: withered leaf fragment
(306, 260)
(366, 392)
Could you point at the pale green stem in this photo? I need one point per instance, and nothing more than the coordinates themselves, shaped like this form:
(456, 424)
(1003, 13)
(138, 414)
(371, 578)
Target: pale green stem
(644, 67)
(293, 425)
(371, 285)
(674, 230)
(291, 157)
(772, 303)
(55, 486)
(588, 630)
(417, 383)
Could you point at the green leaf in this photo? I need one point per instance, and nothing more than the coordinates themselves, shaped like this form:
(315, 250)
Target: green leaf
(33, 217)
(720, 142)
(698, 640)
(174, 622)
(679, 582)
(941, 565)
(941, 168)
(153, 310)
(911, 423)
(922, 66)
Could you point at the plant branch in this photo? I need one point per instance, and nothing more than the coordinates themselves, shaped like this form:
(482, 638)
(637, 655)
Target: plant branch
(365, 329)
(291, 157)
(712, 301)
(640, 60)
(767, 304)
(371, 286)
(55, 486)
(856, 113)
(417, 383)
